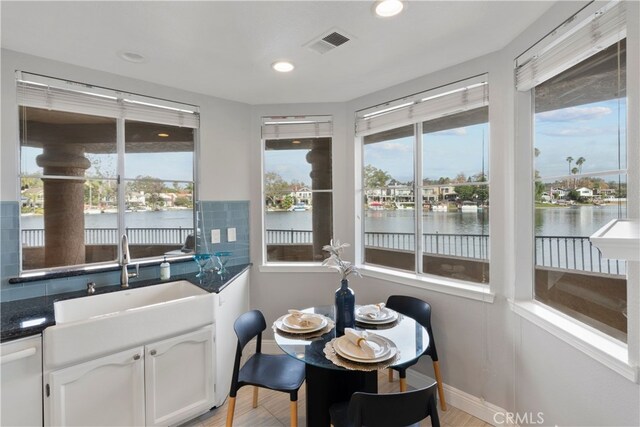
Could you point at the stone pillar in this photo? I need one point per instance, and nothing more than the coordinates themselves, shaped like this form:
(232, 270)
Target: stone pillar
(320, 159)
(63, 204)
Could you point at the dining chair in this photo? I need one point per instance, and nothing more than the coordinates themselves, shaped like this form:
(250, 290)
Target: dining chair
(420, 311)
(278, 372)
(387, 410)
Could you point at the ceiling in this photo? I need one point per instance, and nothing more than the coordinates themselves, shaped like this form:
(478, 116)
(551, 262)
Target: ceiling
(226, 48)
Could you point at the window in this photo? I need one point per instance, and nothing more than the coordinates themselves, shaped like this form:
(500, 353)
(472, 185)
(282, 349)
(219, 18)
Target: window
(96, 164)
(425, 183)
(580, 164)
(297, 188)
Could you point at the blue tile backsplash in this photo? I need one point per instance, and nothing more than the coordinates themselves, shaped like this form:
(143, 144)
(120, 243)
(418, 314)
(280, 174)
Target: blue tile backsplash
(220, 215)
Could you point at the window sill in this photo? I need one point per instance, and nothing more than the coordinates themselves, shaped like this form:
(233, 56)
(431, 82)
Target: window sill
(608, 351)
(476, 292)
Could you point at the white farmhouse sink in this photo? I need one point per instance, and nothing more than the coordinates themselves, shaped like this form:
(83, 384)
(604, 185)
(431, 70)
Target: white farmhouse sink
(115, 303)
(98, 325)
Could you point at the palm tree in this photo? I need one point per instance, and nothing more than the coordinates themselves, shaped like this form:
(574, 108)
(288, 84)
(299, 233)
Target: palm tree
(570, 160)
(579, 163)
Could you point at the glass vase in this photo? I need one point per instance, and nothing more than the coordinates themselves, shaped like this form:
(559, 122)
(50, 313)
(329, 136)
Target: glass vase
(345, 307)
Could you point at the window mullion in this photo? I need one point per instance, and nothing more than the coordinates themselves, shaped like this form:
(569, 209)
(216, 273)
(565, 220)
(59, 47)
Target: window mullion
(121, 181)
(417, 192)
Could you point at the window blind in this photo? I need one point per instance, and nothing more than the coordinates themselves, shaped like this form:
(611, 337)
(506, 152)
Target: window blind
(428, 106)
(53, 94)
(297, 127)
(577, 39)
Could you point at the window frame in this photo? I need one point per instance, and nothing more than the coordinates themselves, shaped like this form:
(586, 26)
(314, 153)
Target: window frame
(142, 101)
(622, 358)
(471, 290)
(274, 127)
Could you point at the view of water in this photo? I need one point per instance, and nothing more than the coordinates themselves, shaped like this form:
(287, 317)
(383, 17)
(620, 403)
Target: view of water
(570, 221)
(560, 221)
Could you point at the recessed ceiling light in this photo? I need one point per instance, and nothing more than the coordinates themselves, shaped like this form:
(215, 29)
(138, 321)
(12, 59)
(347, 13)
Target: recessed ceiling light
(163, 135)
(387, 8)
(131, 56)
(295, 142)
(282, 66)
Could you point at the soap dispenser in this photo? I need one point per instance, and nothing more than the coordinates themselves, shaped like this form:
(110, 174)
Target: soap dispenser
(165, 270)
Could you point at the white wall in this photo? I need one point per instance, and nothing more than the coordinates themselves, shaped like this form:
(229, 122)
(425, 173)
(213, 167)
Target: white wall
(224, 131)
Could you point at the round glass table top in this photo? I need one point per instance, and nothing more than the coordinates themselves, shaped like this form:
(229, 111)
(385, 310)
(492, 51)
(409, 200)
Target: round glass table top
(409, 336)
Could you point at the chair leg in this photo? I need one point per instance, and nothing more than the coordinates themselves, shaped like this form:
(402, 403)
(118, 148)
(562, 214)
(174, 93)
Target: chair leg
(255, 397)
(293, 409)
(230, 409)
(390, 375)
(403, 384)
(436, 370)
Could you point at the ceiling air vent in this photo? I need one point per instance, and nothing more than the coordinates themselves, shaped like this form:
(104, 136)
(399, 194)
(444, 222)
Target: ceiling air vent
(328, 41)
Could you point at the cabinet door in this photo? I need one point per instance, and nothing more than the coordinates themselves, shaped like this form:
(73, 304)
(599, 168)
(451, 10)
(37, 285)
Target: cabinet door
(229, 304)
(179, 377)
(106, 391)
(21, 379)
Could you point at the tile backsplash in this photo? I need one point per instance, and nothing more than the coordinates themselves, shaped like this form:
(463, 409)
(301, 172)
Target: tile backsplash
(220, 215)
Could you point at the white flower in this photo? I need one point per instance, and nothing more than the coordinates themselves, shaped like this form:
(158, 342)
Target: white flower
(345, 268)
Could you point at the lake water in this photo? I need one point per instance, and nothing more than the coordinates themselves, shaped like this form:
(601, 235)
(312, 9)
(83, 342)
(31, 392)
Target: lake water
(572, 221)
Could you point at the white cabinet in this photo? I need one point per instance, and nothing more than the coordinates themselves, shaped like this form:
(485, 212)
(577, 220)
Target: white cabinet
(21, 380)
(106, 391)
(179, 377)
(162, 383)
(229, 304)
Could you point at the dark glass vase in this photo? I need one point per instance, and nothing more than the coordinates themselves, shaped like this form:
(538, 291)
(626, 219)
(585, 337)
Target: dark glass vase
(345, 307)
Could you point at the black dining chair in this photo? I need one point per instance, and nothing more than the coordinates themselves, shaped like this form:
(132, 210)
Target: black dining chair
(387, 410)
(278, 372)
(420, 311)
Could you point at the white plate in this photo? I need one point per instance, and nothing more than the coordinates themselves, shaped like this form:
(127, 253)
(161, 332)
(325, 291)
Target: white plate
(313, 319)
(386, 316)
(384, 349)
(285, 328)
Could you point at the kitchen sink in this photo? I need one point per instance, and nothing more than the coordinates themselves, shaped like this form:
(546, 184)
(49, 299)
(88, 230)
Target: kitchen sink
(115, 303)
(96, 325)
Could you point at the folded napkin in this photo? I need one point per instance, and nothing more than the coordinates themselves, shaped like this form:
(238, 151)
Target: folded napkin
(372, 311)
(359, 340)
(303, 320)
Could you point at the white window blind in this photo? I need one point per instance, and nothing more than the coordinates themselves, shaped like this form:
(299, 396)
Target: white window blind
(578, 38)
(296, 127)
(52, 94)
(428, 106)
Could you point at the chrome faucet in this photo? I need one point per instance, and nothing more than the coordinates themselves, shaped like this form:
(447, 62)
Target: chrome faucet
(124, 262)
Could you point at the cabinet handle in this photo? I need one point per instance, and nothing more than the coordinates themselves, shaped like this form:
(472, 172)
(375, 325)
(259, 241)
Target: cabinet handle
(22, 354)
(152, 352)
(136, 357)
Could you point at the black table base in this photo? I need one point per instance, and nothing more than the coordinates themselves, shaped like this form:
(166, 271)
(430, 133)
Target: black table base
(328, 386)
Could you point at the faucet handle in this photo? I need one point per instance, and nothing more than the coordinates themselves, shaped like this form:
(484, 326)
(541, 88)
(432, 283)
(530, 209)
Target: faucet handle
(91, 288)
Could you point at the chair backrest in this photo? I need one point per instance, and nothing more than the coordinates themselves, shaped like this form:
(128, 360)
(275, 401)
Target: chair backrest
(394, 409)
(418, 310)
(247, 326)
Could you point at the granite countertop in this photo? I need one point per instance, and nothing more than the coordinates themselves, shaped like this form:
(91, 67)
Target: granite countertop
(22, 318)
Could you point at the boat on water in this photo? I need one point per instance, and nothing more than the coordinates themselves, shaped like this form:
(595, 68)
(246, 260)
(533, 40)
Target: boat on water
(440, 207)
(298, 207)
(469, 207)
(376, 206)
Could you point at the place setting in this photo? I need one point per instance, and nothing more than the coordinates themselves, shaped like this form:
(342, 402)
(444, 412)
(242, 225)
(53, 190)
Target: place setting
(302, 325)
(362, 351)
(376, 315)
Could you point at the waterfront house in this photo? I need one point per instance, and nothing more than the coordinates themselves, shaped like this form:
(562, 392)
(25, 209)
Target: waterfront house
(532, 328)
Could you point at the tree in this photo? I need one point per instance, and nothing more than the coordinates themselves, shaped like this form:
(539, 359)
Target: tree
(579, 163)
(570, 160)
(151, 187)
(375, 178)
(465, 192)
(274, 187)
(460, 178)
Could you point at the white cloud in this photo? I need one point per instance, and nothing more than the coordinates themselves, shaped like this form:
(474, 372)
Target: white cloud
(448, 132)
(573, 114)
(396, 146)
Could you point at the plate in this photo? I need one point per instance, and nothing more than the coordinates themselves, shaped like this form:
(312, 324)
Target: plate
(386, 316)
(384, 349)
(284, 328)
(314, 321)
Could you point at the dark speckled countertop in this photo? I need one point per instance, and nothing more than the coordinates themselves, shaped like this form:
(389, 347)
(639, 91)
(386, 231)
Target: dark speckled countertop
(22, 318)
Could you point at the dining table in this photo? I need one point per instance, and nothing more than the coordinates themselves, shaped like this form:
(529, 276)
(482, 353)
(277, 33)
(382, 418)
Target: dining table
(327, 382)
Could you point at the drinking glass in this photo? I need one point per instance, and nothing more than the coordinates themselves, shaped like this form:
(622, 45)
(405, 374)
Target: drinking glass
(202, 260)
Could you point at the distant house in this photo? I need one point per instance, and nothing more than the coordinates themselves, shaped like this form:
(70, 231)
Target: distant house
(585, 192)
(302, 195)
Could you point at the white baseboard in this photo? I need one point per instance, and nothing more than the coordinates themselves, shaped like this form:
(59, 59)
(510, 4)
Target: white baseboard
(466, 402)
